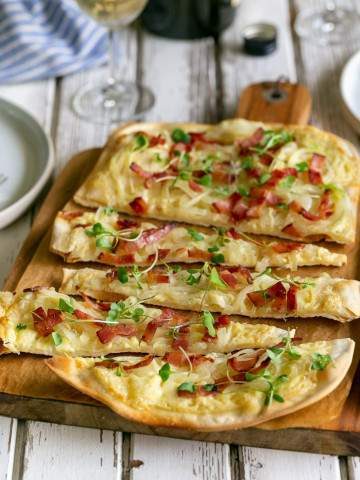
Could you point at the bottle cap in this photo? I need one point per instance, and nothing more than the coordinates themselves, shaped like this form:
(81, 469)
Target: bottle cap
(259, 39)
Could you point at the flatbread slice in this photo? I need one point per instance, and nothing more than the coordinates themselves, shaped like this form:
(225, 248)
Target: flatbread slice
(287, 181)
(225, 290)
(218, 392)
(105, 237)
(44, 321)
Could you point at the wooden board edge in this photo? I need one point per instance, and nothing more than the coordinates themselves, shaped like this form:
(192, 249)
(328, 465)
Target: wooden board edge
(92, 416)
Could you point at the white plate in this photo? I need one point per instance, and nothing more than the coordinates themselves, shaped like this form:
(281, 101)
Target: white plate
(350, 90)
(26, 160)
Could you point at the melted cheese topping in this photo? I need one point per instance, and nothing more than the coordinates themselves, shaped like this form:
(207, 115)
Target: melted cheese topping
(324, 296)
(78, 337)
(71, 240)
(114, 183)
(143, 389)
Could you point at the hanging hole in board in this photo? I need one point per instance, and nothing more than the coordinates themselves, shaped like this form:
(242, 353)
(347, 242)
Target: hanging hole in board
(274, 95)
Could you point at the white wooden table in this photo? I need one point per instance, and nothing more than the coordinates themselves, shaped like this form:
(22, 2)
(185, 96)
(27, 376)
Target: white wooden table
(192, 81)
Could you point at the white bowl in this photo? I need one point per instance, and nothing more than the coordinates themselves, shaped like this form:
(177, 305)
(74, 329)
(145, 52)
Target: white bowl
(350, 90)
(26, 161)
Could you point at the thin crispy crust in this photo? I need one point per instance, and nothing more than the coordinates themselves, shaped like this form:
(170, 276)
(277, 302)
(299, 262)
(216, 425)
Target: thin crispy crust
(347, 235)
(82, 379)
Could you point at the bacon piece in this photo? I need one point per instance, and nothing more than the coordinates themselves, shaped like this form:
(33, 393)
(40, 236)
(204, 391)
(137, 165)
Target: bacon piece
(232, 233)
(277, 295)
(222, 321)
(240, 364)
(107, 364)
(278, 174)
(125, 223)
(251, 141)
(326, 207)
(257, 298)
(182, 339)
(114, 259)
(297, 208)
(222, 206)
(199, 359)
(108, 332)
(186, 394)
(44, 322)
(245, 272)
(162, 253)
(81, 315)
(139, 205)
(291, 302)
(315, 168)
(150, 330)
(156, 140)
(292, 231)
(69, 215)
(199, 254)
(266, 159)
(195, 186)
(143, 363)
(136, 168)
(253, 172)
(229, 278)
(206, 393)
(286, 247)
(239, 210)
(148, 237)
(156, 277)
(177, 358)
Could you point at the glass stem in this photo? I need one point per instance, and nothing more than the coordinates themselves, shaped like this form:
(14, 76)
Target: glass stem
(115, 60)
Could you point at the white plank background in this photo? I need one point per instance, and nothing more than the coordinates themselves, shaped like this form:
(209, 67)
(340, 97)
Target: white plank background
(203, 84)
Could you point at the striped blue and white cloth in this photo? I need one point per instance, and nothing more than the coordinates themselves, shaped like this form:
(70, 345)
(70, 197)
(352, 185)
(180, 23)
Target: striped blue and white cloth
(47, 38)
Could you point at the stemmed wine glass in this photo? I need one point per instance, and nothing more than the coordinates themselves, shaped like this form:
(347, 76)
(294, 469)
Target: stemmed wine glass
(328, 24)
(113, 100)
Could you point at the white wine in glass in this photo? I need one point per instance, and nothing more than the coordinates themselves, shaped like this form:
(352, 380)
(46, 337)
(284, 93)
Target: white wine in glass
(113, 100)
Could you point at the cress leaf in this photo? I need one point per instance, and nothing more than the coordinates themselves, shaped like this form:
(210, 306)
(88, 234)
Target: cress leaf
(164, 372)
(186, 387)
(195, 235)
(65, 306)
(320, 362)
(208, 322)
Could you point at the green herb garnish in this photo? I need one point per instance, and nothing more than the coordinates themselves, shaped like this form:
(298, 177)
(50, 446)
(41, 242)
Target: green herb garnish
(217, 258)
(195, 235)
(247, 163)
(105, 242)
(319, 361)
(56, 338)
(141, 142)
(243, 190)
(65, 306)
(206, 180)
(186, 387)
(215, 279)
(164, 372)
(264, 177)
(179, 136)
(21, 326)
(208, 322)
(122, 275)
(287, 182)
(302, 167)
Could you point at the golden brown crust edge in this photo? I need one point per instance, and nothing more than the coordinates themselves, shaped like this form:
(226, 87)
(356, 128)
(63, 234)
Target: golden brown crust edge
(66, 369)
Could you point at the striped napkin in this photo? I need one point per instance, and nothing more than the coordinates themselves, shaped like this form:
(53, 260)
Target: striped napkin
(47, 38)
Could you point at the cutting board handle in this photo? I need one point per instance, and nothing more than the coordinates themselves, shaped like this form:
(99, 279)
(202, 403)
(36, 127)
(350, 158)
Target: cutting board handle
(278, 101)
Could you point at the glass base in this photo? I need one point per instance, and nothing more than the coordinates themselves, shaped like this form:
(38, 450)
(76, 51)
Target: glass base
(112, 102)
(326, 26)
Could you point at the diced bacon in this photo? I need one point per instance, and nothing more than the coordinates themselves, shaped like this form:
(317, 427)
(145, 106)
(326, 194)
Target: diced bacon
(206, 393)
(81, 315)
(111, 274)
(114, 259)
(69, 215)
(195, 186)
(148, 237)
(254, 211)
(326, 207)
(136, 168)
(182, 339)
(198, 254)
(229, 278)
(286, 247)
(177, 358)
(156, 140)
(44, 322)
(222, 206)
(315, 168)
(143, 363)
(156, 277)
(243, 271)
(266, 159)
(104, 306)
(239, 210)
(251, 141)
(292, 231)
(139, 205)
(109, 332)
(199, 359)
(297, 208)
(265, 196)
(162, 253)
(186, 394)
(278, 174)
(220, 175)
(232, 233)
(253, 172)
(240, 364)
(150, 330)
(291, 303)
(277, 296)
(257, 298)
(125, 223)
(222, 321)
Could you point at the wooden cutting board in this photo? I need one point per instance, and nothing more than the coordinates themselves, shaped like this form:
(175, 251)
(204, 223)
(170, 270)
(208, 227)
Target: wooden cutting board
(28, 390)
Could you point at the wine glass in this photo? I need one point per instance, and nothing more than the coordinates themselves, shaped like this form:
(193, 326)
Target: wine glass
(328, 24)
(113, 100)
